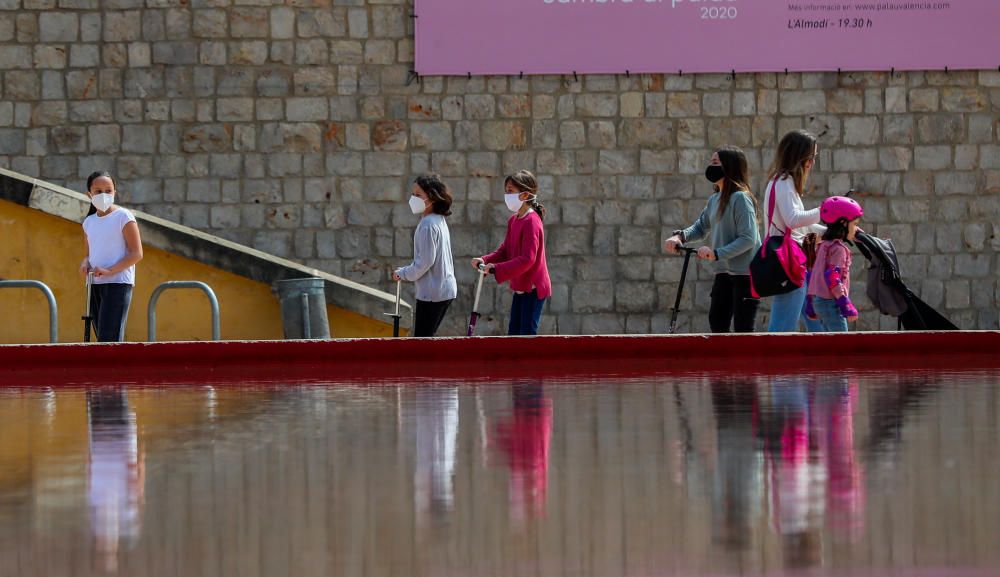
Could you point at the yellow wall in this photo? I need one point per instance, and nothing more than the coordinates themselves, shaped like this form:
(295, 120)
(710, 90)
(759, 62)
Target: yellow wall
(35, 245)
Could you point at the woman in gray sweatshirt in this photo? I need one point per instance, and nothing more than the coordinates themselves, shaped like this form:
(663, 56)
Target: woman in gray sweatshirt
(432, 268)
(729, 220)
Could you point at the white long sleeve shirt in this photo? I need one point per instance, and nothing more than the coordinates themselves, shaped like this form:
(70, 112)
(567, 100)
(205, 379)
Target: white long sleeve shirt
(789, 212)
(432, 269)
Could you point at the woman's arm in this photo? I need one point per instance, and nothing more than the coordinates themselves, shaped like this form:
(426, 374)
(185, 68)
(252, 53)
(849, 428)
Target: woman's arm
(784, 202)
(746, 228)
(818, 229)
(694, 232)
(700, 227)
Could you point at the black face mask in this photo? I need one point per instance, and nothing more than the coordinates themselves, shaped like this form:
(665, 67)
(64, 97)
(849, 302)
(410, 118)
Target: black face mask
(714, 173)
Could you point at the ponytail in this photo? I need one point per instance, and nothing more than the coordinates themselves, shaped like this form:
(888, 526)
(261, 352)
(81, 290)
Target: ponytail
(537, 207)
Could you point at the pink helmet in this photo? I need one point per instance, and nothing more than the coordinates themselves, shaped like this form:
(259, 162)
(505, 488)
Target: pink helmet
(838, 207)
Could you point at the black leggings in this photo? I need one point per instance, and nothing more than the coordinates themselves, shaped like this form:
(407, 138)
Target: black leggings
(109, 305)
(732, 303)
(428, 316)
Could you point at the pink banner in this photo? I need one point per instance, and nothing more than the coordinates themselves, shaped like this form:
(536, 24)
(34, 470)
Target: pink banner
(458, 37)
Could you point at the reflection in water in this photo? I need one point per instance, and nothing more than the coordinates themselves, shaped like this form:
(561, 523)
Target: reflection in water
(114, 475)
(808, 434)
(436, 424)
(737, 480)
(524, 437)
(890, 407)
(834, 427)
(721, 475)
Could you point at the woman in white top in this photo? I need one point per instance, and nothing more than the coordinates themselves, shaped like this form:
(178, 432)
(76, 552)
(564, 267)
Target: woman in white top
(111, 238)
(432, 269)
(788, 175)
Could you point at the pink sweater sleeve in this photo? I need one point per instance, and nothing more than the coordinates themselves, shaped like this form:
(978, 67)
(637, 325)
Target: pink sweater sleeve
(498, 255)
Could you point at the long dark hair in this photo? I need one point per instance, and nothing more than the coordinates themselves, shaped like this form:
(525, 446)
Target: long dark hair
(437, 192)
(736, 171)
(90, 181)
(524, 181)
(837, 230)
(795, 148)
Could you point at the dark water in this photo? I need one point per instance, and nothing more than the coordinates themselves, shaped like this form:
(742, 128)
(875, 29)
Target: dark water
(714, 475)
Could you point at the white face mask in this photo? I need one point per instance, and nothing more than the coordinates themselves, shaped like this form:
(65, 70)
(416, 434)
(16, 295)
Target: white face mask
(103, 201)
(417, 204)
(513, 202)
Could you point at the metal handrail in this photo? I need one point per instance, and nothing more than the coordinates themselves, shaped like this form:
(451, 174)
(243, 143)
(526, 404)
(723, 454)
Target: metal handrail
(53, 310)
(176, 284)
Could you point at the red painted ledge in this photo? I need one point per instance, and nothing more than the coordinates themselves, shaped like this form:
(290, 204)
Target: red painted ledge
(480, 359)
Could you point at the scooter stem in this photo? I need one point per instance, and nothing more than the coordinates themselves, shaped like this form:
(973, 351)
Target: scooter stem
(479, 288)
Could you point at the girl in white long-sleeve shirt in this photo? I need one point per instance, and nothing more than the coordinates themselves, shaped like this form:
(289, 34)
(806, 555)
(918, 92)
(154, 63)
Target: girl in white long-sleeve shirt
(793, 161)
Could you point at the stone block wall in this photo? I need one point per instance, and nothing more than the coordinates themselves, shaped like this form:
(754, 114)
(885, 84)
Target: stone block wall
(294, 127)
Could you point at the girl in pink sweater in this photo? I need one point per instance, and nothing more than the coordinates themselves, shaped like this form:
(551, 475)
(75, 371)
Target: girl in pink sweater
(520, 258)
(828, 296)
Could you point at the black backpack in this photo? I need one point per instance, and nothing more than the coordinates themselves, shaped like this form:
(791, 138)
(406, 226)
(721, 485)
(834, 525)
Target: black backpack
(885, 286)
(889, 293)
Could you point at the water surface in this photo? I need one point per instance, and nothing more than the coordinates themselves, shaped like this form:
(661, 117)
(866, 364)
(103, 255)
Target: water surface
(696, 476)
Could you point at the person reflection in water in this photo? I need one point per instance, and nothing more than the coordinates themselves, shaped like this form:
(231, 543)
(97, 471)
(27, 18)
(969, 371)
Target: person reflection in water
(835, 402)
(436, 423)
(807, 429)
(524, 437)
(737, 478)
(797, 497)
(115, 476)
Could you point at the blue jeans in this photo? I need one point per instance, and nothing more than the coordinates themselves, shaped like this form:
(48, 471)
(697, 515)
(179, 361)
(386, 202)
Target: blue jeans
(829, 315)
(525, 312)
(787, 310)
(790, 394)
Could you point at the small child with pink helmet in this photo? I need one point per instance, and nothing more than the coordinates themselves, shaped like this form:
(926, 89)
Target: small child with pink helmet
(828, 296)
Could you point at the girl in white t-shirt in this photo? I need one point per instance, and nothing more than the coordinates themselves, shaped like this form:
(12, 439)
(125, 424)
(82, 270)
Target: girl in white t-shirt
(111, 237)
(787, 178)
